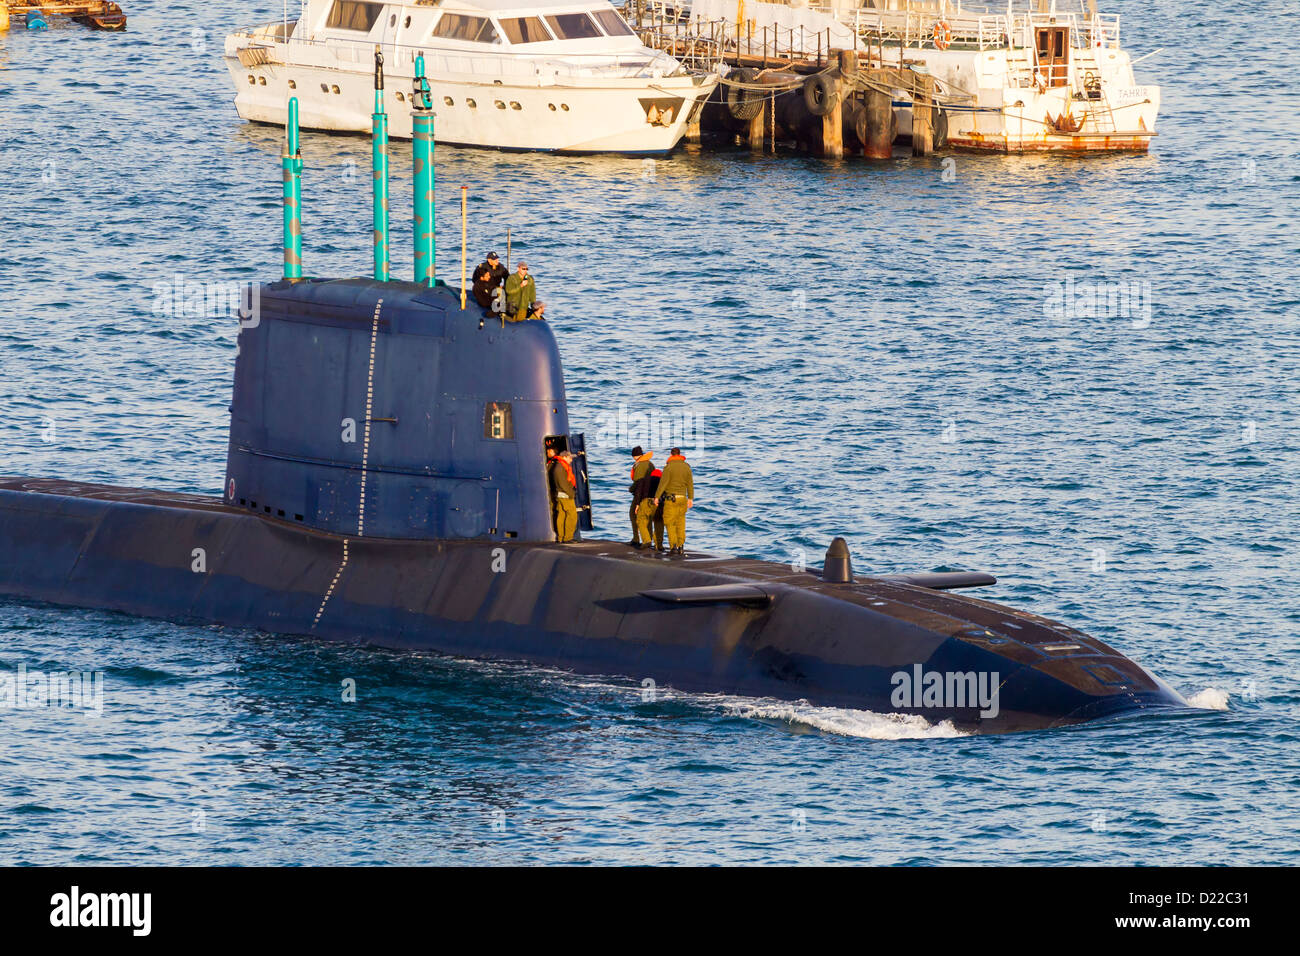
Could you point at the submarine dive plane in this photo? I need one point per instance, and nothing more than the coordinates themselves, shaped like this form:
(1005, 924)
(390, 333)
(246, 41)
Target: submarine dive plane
(386, 484)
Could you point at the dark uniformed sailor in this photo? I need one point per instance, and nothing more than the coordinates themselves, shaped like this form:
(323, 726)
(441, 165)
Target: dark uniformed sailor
(521, 296)
(487, 278)
(641, 467)
(677, 491)
(564, 488)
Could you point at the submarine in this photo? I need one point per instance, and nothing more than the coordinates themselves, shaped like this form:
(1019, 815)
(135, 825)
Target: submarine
(386, 484)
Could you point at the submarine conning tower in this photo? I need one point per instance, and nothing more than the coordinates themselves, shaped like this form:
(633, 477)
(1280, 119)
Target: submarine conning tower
(380, 408)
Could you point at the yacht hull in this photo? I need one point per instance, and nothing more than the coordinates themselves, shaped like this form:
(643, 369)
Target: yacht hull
(561, 114)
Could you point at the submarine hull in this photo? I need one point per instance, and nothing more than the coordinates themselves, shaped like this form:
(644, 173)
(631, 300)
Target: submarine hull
(701, 624)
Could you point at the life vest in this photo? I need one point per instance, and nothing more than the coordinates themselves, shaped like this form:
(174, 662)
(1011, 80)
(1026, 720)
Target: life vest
(632, 475)
(568, 468)
(676, 457)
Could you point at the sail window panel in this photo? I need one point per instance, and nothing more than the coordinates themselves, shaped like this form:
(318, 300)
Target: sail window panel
(455, 26)
(525, 30)
(613, 24)
(355, 15)
(573, 26)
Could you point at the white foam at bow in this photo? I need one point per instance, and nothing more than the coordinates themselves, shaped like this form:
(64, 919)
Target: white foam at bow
(1209, 699)
(843, 721)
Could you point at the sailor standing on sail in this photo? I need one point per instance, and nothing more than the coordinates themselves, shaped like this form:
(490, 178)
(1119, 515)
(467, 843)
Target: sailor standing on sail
(521, 296)
(564, 488)
(488, 277)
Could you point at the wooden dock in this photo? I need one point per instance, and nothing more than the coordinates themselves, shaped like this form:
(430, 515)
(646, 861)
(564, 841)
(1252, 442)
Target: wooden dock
(830, 101)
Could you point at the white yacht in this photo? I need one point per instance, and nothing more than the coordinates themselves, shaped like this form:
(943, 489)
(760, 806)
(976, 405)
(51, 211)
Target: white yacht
(1032, 75)
(507, 74)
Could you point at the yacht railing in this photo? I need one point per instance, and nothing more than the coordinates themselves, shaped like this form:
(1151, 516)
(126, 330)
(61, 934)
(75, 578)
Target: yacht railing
(647, 64)
(910, 25)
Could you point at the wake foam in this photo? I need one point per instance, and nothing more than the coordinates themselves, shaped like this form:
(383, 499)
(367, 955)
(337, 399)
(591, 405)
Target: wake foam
(1209, 699)
(842, 721)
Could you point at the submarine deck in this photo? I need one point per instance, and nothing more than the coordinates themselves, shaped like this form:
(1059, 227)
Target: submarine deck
(964, 617)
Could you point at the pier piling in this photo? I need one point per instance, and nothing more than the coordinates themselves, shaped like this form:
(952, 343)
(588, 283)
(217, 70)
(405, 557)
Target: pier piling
(833, 122)
(880, 125)
(923, 116)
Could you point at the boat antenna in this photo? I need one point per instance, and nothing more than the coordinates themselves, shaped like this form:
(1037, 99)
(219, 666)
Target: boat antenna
(379, 155)
(422, 146)
(464, 228)
(291, 163)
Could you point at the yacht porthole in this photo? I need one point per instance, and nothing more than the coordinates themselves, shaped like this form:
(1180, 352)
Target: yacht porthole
(261, 81)
(293, 84)
(515, 106)
(496, 82)
(407, 23)
(565, 107)
(471, 104)
(499, 105)
(324, 88)
(334, 89)
(392, 21)
(251, 79)
(449, 101)
(401, 97)
(552, 106)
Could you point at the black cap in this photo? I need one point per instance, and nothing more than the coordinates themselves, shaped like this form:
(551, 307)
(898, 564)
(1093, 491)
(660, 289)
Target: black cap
(493, 255)
(638, 451)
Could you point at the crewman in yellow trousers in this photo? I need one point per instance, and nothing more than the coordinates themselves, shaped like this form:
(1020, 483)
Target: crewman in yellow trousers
(642, 465)
(564, 488)
(677, 491)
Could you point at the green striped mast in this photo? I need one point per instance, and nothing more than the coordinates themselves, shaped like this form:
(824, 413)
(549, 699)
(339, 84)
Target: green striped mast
(291, 163)
(379, 155)
(422, 144)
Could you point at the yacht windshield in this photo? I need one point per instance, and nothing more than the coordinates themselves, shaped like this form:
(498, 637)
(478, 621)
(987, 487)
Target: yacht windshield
(573, 26)
(613, 23)
(453, 26)
(525, 30)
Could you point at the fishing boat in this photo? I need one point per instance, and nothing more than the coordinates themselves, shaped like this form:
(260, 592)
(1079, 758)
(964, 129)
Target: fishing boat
(1036, 75)
(96, 14)
(547, 75)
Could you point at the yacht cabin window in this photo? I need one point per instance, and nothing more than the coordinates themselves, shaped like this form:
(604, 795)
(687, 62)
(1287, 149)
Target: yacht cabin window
(525, 30)
(454, 26)
(354, 15)
(573, 26)
(614, 24)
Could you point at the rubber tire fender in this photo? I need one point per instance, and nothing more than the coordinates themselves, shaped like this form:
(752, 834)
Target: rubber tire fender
(820, 93)
(744, 104)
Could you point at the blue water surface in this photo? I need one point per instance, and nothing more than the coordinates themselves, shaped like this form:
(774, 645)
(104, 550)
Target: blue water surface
(866, 349)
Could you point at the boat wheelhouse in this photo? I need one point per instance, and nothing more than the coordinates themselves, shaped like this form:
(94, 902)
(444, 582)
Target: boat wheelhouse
(506, 74)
